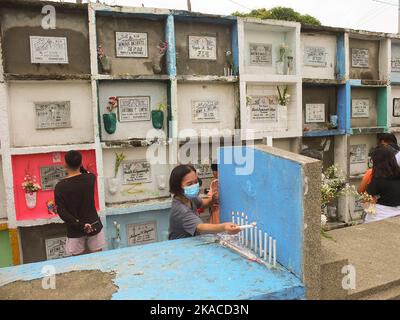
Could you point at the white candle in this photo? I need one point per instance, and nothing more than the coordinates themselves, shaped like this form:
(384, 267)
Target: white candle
(238, 223)
(260, 241)
(242, 224)
(225, 73)
(251, 238)
(274, 251)
(270, 251)
(265, 246)
(255, 238)
(233, 217)
(246, 232)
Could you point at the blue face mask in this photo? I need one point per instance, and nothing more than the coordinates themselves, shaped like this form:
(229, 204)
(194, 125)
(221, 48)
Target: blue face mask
(192, 191)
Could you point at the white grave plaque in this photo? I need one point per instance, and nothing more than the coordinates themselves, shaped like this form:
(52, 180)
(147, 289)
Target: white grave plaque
(202, 48)
(358, 154)
(51, 175)
(136, 171)
(48, 50)
(203, 170)
(141, 233)
(133, 109)
(53, 115)
(131, 44)
(315, 113)
(260, 54)
(315, 56)
(359, 58)
(55, 248)
(396, 107)
(360, 108)
(264, 108)
(205, 111)
(395, 64)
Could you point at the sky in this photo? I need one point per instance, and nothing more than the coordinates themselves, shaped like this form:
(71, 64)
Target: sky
(372, 15)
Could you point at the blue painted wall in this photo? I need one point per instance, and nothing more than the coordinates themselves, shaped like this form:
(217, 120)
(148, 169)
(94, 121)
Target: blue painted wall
(171, 51)
(340, 57)
(272, 196)
(161, 217)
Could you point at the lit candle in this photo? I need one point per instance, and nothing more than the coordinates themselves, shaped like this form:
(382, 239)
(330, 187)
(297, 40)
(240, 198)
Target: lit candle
(274, 250)
(255, 238)
(260, 241)
(265, 246)
(246, 232)
(238, 223)
(270, 251)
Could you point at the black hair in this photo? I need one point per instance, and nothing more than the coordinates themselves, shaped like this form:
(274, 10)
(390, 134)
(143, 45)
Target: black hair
(214, 167)
(73, 159)
(177, 175)
(384, 163)
(389, 138)
(311, 153)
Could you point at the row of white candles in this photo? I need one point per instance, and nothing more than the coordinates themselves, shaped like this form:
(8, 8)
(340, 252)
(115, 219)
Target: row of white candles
(228, 72)
(265, 248)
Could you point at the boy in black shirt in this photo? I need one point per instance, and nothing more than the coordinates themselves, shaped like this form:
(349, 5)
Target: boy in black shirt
(74, 197)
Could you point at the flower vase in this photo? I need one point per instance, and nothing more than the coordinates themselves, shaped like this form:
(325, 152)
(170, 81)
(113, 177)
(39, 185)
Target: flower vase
(30, 199)
(280, 67)
(157, 118)
(110, 122)
(105, 64)
(290, 65)
(282, 117)
(113, 185)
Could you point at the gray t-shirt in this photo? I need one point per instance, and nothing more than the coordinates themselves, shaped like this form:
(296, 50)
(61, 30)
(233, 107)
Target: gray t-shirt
(183, 221)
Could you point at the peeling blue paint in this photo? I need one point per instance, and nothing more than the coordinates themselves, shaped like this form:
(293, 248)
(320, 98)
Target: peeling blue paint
(171, 50)
(189, 269)
(272, 196)
(340, 57)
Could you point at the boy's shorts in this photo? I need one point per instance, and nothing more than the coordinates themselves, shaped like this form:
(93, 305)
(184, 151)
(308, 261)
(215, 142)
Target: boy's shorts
(77, 246)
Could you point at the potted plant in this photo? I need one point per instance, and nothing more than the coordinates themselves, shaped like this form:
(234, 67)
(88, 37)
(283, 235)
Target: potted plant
(157, 116)
(110, 118)
(105, 61)
(31, 187)
(280, 64)
(113, 183)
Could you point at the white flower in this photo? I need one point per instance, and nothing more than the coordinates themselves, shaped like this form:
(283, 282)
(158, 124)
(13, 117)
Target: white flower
(324, 220)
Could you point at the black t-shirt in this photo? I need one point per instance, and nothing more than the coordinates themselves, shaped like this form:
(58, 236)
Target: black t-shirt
(74, 199)
(388, 190)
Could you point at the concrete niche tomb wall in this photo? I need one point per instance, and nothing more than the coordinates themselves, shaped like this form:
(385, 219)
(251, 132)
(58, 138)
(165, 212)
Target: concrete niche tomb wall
(359, 149)
(191, 34)
(60, 51)
(48, 169)
(137, 179)
(319, 103)
(138, 61)
(206, 106)
(394, 110)
(319, 55)
(51, 113)
(132, 123)
(364, 59)
(41, 243)
(364, 104)
(324, 146)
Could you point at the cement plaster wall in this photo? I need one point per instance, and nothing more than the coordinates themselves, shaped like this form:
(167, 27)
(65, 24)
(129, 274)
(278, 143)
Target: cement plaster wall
(371, 95)
(372, 72)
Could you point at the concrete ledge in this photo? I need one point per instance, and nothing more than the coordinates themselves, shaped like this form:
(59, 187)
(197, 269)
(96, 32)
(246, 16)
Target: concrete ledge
(373, 249)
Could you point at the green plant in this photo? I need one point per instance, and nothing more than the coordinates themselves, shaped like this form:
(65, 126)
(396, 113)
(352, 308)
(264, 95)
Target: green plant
(280, 13)
(162, 107)
(119, 157)
(283, 96)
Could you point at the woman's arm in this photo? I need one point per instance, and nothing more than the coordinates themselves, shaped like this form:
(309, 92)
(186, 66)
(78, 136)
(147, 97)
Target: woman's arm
(206, 228)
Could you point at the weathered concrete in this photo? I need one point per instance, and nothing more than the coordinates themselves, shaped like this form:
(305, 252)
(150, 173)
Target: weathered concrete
(75, 285)
(21, 23)
(372, 72)
(372, 95)
(374, 252)
(106, 28)
(325, 145)
(320, 95)
(33, 240)
(202, 67)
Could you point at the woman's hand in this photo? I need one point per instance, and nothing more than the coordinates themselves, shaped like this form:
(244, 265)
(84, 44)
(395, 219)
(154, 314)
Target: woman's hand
(231, 228)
